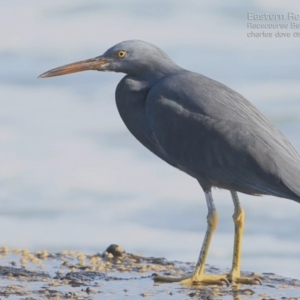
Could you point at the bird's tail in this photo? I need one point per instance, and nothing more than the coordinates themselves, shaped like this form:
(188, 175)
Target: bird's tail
(290, 177)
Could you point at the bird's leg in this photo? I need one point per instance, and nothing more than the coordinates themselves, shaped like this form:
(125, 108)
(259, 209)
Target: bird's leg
(239, 221)
(198, 277)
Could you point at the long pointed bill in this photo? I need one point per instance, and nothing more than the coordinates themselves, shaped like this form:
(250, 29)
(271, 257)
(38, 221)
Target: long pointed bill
(97, 63)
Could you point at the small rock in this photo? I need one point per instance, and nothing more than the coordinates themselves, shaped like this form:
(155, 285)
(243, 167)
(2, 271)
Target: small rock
(115, 250)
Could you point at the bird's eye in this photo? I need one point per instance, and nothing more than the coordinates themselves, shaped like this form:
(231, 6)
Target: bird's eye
(122, 53)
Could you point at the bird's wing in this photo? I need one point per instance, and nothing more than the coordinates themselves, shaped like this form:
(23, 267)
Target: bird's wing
(208, 129)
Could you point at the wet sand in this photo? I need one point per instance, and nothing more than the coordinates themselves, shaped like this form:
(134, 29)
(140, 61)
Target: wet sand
(115, 274)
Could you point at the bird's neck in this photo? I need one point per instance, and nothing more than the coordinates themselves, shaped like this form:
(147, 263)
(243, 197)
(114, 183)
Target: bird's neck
(159, 72)
(151, 73)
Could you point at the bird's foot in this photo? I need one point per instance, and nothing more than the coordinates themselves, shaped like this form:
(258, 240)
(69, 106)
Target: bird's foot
(223, 279)
(244, 279)
(193, 279)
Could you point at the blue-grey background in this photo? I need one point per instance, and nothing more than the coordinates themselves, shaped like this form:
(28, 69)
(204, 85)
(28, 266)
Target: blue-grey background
(72, 177)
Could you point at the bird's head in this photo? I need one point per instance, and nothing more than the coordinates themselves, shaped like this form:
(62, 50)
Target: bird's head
(134, 57)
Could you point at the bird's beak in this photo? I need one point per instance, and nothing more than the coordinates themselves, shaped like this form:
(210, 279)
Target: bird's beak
(97, 63)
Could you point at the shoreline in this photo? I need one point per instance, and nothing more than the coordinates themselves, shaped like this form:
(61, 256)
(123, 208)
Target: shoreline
(117, 274)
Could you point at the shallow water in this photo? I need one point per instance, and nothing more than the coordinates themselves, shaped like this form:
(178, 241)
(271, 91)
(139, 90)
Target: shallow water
(115, 274)
(71, 175)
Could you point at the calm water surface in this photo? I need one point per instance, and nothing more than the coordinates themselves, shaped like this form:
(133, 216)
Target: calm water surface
(71, 175)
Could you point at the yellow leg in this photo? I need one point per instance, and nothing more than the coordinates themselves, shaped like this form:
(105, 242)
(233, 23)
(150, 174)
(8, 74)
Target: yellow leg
(239, 223)
(198, 277)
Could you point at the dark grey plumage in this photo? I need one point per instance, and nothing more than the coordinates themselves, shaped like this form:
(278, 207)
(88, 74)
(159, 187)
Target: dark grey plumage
(206, 129)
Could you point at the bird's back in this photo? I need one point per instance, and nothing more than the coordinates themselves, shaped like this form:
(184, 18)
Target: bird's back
(203, 126)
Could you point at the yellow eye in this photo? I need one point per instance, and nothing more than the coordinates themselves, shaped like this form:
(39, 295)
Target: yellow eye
(122, 53)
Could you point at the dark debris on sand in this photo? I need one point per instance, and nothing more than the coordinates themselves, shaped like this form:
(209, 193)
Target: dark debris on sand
(115, 274)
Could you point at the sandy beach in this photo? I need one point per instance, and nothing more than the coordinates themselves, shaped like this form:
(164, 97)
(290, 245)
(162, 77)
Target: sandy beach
(115, 274)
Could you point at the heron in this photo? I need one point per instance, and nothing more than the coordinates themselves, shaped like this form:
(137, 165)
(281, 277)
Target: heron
(203, 128)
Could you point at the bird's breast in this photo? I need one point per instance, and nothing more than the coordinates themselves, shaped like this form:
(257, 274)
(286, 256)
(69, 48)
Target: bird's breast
(131, 100)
